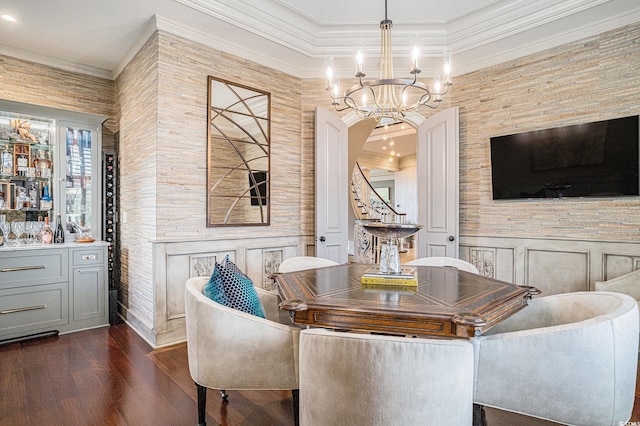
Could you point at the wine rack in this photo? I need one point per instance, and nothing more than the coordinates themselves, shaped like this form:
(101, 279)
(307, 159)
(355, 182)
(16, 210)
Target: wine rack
(109, 167)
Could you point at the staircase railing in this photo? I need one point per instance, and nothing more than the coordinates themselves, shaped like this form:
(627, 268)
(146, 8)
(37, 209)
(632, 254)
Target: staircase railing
(369, 205)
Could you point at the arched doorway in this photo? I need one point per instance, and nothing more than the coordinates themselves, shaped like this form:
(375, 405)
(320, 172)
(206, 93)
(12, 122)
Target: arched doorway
(437, 166)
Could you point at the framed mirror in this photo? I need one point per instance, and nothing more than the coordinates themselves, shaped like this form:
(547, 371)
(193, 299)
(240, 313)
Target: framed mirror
(238, 142)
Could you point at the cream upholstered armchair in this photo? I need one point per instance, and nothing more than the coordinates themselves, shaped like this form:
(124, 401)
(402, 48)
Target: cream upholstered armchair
(375, 380)
(233, 350)
(463, 265)
(299, 263)
(568, 358)
(627, 284)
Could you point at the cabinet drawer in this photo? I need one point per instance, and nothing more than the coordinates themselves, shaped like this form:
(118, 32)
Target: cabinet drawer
(29, 309)
(29, 267)
(83, 257)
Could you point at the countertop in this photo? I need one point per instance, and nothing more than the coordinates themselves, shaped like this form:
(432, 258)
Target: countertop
(73, 244)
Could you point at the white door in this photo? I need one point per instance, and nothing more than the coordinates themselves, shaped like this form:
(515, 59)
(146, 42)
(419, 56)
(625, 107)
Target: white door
(332, 186)
(438, 190)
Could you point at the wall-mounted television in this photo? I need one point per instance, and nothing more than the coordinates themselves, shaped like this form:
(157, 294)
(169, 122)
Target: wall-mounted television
(598, 159)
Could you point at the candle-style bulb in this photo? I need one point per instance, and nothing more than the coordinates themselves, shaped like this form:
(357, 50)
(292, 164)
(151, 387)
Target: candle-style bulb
(360, 59)
(446, 59)
(414, 54)
(328, 62)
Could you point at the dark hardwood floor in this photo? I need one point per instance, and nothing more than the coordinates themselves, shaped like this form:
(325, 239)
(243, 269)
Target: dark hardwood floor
(110, 376)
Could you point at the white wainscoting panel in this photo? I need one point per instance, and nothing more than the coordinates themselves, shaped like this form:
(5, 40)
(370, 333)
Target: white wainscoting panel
(552, 265)
(554, 272)
(175, 262)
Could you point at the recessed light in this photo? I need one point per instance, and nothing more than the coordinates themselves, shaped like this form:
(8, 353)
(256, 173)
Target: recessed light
(9, 18)
(392, 143)
(384, 147)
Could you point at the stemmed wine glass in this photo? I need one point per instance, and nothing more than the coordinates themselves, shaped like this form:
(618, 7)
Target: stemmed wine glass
(6, 230)
(32, 231)
(39, 227)
(18, 229)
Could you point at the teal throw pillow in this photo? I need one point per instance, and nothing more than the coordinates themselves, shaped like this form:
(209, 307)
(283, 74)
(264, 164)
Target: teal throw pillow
(214, 289)
(239, 290)
(228, 264)
(232, 288)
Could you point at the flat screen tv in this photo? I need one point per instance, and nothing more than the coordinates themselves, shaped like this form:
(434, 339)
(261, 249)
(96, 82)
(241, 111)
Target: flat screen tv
(598, 159)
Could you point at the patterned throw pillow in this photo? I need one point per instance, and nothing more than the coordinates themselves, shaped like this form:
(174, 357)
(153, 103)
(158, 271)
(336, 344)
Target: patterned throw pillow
(214, 289)
(228, 264)
(230, 287)
(239, 289)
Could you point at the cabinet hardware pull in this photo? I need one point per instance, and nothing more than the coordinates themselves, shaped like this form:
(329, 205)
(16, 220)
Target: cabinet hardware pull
(29, 308)
(22, 268)
(89, 257)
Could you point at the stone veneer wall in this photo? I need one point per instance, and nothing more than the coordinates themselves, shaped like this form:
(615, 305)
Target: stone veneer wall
(137, 100)
(28, 82)
(162, 95)
(183, 67)
(594, 79)
(36, 84)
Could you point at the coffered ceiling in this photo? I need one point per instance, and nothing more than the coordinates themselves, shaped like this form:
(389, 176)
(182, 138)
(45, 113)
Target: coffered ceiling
(100, 37)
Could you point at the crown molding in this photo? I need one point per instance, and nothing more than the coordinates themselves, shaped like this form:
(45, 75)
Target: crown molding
(276, 35)
(508, 19)
(473, 37)
(55, 62)
(149, 29)
(486, 56)
(222, 44)
(274, 23)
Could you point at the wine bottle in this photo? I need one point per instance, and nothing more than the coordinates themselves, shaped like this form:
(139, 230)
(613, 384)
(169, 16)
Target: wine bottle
(6, 161)
(47, 233)
(58, 236)
(46, 202)
(21, 156)
(42, 165)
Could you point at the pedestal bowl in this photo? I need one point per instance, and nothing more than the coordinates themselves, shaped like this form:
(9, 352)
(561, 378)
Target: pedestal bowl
(390, 233)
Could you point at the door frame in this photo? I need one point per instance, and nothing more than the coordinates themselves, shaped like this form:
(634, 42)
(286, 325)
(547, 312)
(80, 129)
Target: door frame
(415, 120)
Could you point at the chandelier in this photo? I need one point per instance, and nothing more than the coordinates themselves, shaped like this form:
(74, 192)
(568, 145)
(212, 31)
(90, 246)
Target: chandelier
(389, 98)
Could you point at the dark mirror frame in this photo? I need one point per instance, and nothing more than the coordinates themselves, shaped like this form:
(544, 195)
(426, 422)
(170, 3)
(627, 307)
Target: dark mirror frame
(238, 154)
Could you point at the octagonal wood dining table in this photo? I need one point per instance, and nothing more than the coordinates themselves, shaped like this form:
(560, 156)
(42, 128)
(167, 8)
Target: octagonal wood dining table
(446, 302)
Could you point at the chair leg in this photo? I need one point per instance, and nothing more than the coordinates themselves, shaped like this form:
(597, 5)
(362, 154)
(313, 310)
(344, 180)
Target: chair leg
(202, 405)
(296, 406)
(479, 416)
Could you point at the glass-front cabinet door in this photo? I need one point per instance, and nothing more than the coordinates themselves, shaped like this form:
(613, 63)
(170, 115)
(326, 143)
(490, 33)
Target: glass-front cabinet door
(27, 145)
(50, 165)
(80, 188)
